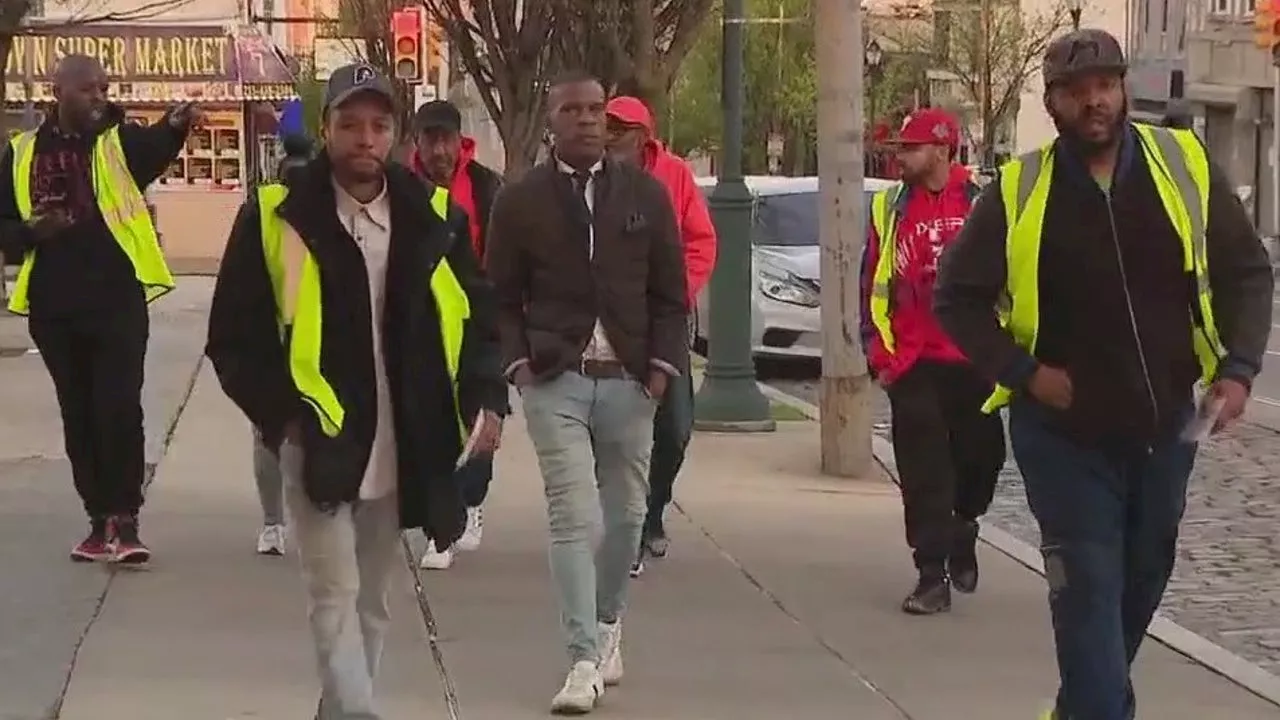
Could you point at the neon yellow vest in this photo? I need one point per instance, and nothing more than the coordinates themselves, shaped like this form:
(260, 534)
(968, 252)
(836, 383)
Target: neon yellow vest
(885, 222)
(1180, 170)
(119, 200)
(295, 281)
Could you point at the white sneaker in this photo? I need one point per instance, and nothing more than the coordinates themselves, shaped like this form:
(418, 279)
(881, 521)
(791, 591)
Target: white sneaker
(582, 690)
(609, 640)
(271, 540)
(471, 536)
(436, 560)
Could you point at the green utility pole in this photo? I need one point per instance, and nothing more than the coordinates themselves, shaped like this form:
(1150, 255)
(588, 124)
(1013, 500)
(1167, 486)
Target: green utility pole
(729, 399)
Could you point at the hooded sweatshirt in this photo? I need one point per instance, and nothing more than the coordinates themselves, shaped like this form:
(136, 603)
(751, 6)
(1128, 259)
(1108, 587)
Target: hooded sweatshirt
(926, 223)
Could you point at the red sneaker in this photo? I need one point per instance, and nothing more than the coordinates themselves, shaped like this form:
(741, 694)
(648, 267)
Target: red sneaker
(127, 548)
(94, 548)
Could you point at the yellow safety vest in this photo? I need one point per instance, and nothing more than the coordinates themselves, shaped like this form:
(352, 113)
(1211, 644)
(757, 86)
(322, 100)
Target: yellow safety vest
(1180, 170)
(885, 222)
(295, 281)
(119, 200)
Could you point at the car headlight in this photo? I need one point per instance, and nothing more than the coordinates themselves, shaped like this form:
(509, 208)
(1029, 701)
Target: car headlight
(785, 287)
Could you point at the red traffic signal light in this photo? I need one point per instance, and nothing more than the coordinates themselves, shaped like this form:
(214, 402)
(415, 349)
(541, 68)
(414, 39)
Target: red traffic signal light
(1266, 24)
(406, 44)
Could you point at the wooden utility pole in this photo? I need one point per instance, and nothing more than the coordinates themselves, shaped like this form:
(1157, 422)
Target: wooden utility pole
(844, 402)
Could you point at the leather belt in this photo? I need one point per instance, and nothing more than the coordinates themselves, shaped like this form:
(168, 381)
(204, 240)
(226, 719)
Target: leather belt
(603, 369)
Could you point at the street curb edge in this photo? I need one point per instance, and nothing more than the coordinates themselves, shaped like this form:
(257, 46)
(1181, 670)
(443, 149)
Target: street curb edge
(1194, 647)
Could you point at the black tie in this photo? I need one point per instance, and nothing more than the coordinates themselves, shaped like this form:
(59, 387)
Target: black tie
(580, 179)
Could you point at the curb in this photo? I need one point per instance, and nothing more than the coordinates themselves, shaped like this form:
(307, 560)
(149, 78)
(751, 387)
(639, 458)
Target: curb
(1196, 648)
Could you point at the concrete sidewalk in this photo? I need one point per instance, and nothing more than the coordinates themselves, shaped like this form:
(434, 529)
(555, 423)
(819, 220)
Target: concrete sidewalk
(780, 599)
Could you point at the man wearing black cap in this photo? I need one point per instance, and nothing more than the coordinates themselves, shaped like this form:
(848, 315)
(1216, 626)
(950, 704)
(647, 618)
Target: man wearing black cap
(1127, 273)
(446, 157)
(351, 380)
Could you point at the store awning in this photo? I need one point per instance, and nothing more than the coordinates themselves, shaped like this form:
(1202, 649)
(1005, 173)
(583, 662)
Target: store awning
(157, 63)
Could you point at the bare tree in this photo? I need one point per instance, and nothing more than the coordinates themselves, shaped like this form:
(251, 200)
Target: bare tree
(991, 48)
(505, 47)
(15, 21)
(634, 46)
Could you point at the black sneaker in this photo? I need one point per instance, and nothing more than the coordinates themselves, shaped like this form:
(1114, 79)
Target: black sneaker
(931, 595)
(655, 541)
(963, 565)
(127, 547)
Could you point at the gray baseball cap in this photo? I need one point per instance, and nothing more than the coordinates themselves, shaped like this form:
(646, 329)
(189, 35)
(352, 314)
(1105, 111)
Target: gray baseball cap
(354, 79)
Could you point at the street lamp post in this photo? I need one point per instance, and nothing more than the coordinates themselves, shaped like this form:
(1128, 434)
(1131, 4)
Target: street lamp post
(872, 56)
(729, 399)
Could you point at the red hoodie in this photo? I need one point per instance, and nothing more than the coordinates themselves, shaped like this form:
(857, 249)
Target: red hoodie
(927, 223)
(460, 190)
(696, 230)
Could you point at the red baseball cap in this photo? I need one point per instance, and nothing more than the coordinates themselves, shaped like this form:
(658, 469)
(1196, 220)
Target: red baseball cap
(929, 126)
(630, 111)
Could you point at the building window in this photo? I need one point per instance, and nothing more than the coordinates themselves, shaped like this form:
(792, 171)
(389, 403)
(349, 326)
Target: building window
(1221, 7)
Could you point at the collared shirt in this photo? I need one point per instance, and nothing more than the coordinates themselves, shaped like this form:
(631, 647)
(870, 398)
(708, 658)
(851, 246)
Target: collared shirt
(599, 347)
(370, 225)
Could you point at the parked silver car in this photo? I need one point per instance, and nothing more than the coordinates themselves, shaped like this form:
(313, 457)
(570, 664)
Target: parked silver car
(785, 313)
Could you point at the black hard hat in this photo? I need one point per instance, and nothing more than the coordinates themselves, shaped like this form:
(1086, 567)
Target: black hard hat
(1082, 51)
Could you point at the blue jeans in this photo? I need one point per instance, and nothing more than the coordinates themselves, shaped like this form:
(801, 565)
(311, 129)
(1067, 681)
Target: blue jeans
(593, 437)
(1108, 517)
(474, 478)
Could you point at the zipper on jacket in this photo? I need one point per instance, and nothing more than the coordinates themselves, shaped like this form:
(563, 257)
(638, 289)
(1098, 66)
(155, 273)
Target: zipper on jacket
(1133, 317)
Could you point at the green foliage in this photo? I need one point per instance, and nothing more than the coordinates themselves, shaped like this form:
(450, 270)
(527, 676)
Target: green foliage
(780, 72)
(311, 93)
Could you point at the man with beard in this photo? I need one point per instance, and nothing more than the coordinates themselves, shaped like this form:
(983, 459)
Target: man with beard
(585, 255)
(1131, 273)
(631, 139)
(356, 332)
(447, 158)
(72, 206)
(949, 453)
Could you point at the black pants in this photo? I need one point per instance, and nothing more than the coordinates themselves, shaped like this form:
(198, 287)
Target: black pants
(96, 362)
(672, 430)
(949, 455)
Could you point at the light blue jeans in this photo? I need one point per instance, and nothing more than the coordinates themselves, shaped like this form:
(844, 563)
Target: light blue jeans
(593, 438)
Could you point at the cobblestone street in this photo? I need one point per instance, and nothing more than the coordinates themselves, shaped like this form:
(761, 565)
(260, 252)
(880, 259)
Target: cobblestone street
(1226, 586)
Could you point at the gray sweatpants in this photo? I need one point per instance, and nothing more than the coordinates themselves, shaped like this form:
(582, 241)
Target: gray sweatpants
(348, 557)
(266, 471)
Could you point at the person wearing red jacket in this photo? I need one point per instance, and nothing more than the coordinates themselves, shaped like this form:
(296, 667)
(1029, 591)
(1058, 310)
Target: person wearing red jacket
(631, 139)
(949, 453)
(446, 158)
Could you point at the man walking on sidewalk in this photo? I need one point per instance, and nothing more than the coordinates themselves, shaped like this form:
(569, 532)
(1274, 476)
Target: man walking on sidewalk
(949, 453)
(631, 139)
(352, 380)
(447, 158)
(266, 465)
(71, 205)
(1132, 272)
(585, 255)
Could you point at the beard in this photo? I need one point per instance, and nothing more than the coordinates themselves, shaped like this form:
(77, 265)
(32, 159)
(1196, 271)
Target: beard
(1087, 147)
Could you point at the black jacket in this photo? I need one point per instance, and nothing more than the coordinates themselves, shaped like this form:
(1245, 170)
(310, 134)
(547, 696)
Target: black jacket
(485, 184)
(83, 269)
(249, 358)
(1085, 322)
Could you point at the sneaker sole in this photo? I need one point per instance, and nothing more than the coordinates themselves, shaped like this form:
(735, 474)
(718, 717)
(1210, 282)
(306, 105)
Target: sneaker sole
(82, 557)
(271, 552)
(575, 709)
(136, 559)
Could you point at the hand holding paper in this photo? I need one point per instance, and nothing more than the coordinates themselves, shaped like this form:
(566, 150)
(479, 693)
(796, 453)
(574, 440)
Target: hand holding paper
(485, 436)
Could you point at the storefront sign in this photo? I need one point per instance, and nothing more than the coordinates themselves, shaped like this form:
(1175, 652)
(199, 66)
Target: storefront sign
(130, 53)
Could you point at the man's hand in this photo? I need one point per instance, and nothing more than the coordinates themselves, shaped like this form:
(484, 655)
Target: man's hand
(657, 385)
(488, 431)
(1234, 396)
(185, 116)
(1051, 386)
(47, 221)
(522, 377)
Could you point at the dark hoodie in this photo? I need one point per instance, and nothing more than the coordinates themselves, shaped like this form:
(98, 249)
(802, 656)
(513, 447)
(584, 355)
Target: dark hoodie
(81, 269)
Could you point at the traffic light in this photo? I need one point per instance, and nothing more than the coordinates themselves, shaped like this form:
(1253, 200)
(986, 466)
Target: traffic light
(1266, 23)
(406, 44)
